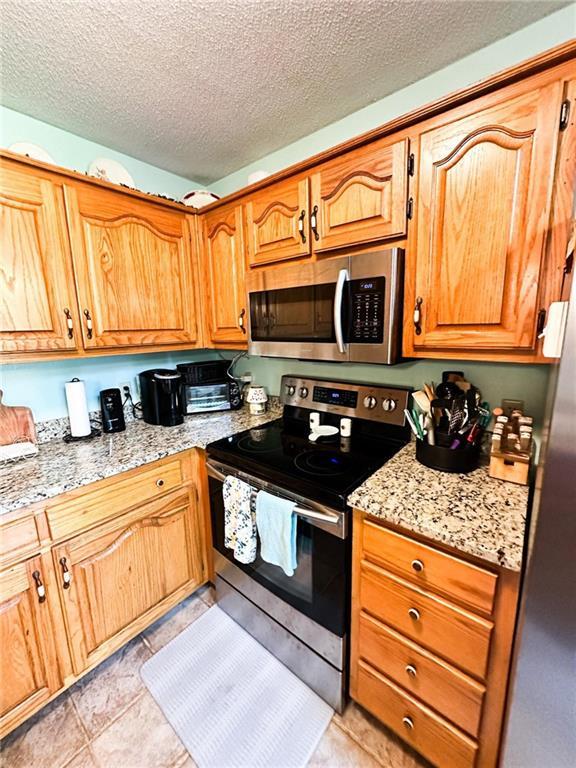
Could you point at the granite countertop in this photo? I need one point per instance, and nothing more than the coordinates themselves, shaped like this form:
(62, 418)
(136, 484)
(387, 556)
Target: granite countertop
(472, 513)
(59, 467)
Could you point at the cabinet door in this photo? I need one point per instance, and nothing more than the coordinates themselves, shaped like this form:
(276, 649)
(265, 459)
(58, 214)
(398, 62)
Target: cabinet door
(483, 203)
(277, 224)
(224, 265)
(36, 283)
(121, 575)
(28, 668)
(361, 196)
(134, 270)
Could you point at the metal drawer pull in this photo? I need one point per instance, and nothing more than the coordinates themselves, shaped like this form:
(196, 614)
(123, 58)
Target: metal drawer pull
(408, 722)
(88, 323)
(301, 225)
(417, 565)
(69, 323)
(39, 586)
(160, 482)
(418, 316)
(414, 613)
(411, 670)
(241, 321)
(314, 222)
(66, 578)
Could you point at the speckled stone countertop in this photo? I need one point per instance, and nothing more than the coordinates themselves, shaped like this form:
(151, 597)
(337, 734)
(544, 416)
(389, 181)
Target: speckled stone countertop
(472, 513)
(59, 467)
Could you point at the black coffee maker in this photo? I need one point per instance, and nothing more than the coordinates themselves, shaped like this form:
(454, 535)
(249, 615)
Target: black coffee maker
(161, 396)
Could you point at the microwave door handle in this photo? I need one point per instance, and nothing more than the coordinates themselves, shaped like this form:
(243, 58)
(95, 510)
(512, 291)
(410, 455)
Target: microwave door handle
(338, 298)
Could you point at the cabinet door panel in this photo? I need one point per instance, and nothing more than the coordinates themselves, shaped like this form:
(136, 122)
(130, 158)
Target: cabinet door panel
(483, 204)
(134, 268)
(277, 225)
(361, 196)
(122, 571)
(36, 283)
(225, 275)
(28, 669)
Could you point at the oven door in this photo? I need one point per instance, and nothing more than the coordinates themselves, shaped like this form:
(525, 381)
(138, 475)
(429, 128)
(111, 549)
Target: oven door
(203, 398)
(320, 585)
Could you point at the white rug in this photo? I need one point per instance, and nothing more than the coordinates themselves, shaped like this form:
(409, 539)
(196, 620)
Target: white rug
(231, 702)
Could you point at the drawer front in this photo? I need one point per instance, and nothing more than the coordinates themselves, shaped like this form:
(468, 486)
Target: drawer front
(430, 568)
(90, 508)
(435, 738)
(446, 689)
(445, 629)
(18, 539)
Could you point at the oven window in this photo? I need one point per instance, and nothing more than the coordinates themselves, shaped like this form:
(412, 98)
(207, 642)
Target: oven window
(303, 313)
(210, 397)
(319, 586)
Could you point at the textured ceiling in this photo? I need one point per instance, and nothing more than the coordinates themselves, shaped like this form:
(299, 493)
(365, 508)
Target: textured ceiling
(204, 87)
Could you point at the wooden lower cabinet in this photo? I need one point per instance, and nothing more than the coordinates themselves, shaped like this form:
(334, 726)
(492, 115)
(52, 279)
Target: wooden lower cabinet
(29, 672)
(426, 665)
(67, 608)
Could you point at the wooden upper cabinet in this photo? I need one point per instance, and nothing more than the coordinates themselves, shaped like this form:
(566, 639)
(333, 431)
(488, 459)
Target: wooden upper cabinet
(36, 283)
(121, 572)
(134, 267)
(28, 667)
(224, 266)
(484, 191)
(361, 196)
(277, 222)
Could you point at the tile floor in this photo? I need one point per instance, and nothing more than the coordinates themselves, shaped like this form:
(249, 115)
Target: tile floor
(109, 720)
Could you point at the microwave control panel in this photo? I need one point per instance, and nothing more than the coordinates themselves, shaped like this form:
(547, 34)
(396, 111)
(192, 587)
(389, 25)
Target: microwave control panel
(367, 310)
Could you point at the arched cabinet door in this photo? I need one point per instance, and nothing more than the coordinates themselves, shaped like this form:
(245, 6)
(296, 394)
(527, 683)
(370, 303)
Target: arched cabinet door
(224, 270)
(361, 196)
(277, 222)
(483, 204)
(135, 270)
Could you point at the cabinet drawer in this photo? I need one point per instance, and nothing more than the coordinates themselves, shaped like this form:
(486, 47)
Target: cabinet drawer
(430, 568)
(446, 689)
(18, 539)
(435, 738)
(445, 629)
(89, 508)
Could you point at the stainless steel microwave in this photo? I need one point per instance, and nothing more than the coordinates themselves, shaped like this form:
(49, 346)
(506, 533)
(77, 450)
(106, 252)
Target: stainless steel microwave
(346, 309)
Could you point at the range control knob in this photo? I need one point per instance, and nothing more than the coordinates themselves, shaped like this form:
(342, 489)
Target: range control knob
(388, 404)
(303, 392)
(290, 390)
(370, 402)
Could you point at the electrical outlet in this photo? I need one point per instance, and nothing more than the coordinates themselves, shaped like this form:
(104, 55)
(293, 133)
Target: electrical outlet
(125, 389)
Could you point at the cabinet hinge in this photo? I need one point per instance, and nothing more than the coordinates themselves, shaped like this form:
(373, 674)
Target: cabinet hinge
(409, 208)
(411, 164)
(540, 321)
(564, 114)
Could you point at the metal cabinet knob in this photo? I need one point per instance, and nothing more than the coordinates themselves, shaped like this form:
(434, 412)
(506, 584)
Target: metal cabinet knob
(411, 670)
(160, 482)
(417, 565)
(408, 722)
(414, 613)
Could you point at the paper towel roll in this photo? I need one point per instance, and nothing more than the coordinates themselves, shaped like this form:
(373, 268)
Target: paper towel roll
(77, 408)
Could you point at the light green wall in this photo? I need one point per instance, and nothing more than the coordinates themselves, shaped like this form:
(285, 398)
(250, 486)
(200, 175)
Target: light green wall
(74, 152)
(546, 33)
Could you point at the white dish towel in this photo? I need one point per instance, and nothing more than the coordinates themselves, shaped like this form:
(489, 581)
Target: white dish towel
(239, 520)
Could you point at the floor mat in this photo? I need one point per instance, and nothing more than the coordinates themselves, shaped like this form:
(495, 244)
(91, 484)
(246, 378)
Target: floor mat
(231, 702)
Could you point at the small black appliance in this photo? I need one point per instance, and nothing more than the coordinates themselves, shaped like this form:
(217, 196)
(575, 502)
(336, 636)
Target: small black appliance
(161, 396)
(207, 387)
(112, 411)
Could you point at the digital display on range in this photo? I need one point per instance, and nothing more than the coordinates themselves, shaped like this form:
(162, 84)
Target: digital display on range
(343, 397)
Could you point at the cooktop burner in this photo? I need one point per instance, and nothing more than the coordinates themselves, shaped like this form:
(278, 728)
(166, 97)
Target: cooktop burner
(327, 470)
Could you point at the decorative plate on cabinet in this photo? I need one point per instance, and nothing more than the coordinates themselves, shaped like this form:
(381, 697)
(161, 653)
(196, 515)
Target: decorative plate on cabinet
(198, 198)
(32, 151)
(110, 170)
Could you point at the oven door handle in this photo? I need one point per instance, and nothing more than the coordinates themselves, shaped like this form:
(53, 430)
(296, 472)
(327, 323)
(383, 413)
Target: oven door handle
(338, 298)
(325, 517)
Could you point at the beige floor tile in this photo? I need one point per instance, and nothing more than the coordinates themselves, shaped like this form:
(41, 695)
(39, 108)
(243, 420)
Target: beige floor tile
(337, 750)
(48, 740)
(180, 617)
(390, 751)
(187, 762)
(84, 759)
(140, 738)
(106, 691)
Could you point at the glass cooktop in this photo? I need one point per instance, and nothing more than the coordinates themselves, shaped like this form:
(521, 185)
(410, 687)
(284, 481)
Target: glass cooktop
(326, 471)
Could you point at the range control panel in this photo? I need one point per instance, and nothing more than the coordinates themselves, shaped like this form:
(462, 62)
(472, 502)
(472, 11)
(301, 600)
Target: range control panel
(363, 401)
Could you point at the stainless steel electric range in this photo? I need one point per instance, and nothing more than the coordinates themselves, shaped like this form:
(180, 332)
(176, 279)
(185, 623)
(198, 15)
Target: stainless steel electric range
(304, 619)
